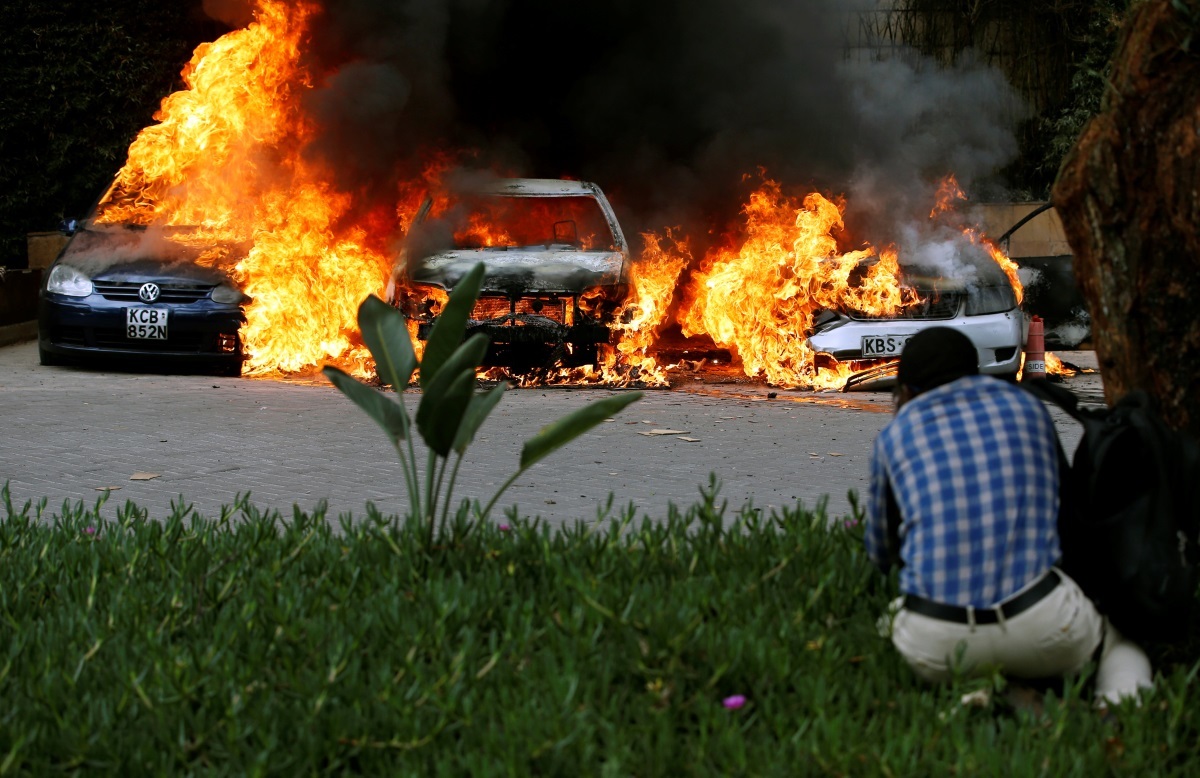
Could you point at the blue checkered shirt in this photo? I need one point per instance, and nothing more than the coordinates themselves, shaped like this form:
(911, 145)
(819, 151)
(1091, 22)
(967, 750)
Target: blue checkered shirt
(973, 467)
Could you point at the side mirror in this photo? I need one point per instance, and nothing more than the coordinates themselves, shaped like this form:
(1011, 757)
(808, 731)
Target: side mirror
(68, 226)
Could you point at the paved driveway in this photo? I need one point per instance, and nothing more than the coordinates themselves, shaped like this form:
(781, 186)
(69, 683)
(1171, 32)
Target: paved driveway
(66, 433)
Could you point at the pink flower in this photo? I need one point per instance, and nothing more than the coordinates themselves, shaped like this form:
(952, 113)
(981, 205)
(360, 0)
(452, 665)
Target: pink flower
(89, 530)
(851, 523)
(734, 702)
(505, 528)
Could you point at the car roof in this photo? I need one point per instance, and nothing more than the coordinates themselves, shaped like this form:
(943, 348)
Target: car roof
(534, 187)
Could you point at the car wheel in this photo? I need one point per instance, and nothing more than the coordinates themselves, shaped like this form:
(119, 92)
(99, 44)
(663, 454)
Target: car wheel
(48, 358)
(232, 370)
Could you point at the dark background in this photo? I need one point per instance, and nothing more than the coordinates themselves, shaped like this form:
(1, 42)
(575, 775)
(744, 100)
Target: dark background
(77, 82)
(650, 99)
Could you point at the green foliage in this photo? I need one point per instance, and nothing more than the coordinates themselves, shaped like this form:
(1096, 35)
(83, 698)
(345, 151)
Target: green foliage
(250, 644)
(1088, 86)
(450, 412)
(79, 80)
(1057, 54)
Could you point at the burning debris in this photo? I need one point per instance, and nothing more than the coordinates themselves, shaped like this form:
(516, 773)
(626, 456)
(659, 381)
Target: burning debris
(324, 142)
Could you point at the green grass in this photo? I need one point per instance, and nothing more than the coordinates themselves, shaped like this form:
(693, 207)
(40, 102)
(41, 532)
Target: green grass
(248, 644)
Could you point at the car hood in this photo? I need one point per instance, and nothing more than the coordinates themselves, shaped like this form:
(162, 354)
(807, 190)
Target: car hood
(122, 254)
(523, 270)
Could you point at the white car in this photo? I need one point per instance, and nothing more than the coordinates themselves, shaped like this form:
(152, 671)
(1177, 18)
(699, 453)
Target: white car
(984, 309)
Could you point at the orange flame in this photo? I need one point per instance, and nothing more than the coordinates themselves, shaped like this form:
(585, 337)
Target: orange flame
(1007, 265)
(1055, 366)
(948, 192)
(653, 279)
(520, 222)
(225, 158)
(760, 298)
(226, 161)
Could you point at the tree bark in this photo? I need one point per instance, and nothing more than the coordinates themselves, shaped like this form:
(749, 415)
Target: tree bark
(1129, 197)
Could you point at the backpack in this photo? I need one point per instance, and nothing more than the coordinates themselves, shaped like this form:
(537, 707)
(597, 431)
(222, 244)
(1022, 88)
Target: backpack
(1130, 514)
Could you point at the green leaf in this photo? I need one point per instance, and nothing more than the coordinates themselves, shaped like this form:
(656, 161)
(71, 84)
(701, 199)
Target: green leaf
(432, 418)
(387, 413)
(451, 324)
(571, 426)
(440, 423)
(478, 409)
(385, 332)
(467, 356)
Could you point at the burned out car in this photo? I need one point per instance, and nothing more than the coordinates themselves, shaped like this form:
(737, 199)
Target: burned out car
(555, 261)
(141, 296)
(978, 300)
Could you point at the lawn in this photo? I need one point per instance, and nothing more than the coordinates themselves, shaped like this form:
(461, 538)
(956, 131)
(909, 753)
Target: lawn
(710, 641)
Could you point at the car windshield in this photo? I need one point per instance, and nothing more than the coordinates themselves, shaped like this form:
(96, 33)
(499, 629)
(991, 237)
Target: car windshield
(564, 222)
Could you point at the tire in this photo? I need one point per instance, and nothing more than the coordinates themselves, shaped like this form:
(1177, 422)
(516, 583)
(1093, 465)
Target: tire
(230, 370)
(48, 358)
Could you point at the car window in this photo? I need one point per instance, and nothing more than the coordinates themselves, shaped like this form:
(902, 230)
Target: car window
(573, 222)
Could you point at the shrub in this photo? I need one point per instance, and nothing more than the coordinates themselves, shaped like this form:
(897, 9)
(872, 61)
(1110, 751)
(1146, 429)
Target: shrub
(249, 644)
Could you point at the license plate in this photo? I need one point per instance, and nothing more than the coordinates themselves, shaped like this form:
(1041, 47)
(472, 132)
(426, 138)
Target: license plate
(146, 323)
(883, 345)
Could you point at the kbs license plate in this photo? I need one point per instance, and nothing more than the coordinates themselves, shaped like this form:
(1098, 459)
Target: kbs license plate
(146, 323)
(883, 345)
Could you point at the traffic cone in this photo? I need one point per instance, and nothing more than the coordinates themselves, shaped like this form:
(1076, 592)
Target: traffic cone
(1035, 350)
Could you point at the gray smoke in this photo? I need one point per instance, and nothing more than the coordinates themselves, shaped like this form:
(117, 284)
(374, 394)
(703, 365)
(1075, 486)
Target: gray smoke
(1072, 332)
(671, 106)
(97, 248)
(918, 123)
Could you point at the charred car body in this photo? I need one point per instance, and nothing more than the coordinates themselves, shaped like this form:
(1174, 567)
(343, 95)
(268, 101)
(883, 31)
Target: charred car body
(981, 304)
(143, 296)
(555, 261)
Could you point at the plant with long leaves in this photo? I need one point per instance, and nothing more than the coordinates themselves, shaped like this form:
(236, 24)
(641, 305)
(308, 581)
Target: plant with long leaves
(450, 412)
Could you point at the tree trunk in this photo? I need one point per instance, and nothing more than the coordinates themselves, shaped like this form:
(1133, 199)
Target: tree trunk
(1129, 197)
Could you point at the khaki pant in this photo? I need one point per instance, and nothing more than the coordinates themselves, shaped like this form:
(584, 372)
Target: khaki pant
(1055, 637)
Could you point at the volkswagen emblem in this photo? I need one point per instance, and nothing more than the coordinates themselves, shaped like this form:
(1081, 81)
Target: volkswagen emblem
(148, 293)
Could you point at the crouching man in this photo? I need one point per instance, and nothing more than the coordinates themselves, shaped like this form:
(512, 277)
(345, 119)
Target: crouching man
(964, 497)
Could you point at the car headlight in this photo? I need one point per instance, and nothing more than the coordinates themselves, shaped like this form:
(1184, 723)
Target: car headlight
(227, 295)
(990, 299)
(70, 281)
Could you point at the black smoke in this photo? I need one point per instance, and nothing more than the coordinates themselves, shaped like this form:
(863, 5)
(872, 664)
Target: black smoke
(667, 104)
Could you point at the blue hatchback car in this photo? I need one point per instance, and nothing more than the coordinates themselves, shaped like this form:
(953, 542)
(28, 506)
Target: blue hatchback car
(144, 297)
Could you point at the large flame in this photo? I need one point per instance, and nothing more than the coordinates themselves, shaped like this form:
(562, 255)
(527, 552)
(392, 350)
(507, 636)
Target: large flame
(652, 282)
(226, 158)
(759, 297)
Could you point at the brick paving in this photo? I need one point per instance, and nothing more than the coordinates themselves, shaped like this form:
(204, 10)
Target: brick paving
(66, 432)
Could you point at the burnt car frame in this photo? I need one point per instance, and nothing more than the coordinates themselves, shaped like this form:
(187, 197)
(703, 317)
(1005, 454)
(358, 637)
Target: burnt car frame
(141, 297)
(555, 258)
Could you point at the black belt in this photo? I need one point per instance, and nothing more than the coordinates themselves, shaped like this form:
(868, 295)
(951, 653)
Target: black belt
(1010, 608)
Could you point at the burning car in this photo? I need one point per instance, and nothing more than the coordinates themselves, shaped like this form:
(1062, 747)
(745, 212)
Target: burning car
(556, 263)
(981, 304)
(148, 295)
